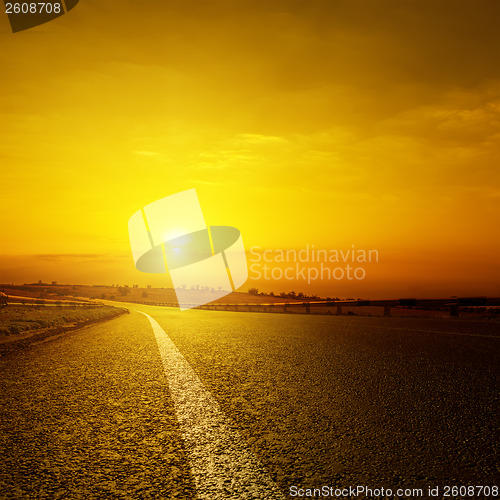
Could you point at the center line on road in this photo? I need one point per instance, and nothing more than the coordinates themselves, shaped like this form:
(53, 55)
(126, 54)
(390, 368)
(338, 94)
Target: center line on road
(222, 465)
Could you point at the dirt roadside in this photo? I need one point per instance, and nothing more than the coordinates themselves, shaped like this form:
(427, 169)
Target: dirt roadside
(14, 343)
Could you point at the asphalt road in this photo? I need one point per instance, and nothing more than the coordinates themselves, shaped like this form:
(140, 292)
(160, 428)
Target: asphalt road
(309, 400)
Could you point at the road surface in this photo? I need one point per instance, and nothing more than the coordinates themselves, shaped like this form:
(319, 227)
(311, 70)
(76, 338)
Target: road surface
(204, 404)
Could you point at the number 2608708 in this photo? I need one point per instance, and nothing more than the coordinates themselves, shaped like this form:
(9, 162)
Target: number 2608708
(33, 8)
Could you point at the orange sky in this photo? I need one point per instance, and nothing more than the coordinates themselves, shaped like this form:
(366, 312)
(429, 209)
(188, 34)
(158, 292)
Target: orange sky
(300, 122)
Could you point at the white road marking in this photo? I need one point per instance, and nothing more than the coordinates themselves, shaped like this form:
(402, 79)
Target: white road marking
(222, 465)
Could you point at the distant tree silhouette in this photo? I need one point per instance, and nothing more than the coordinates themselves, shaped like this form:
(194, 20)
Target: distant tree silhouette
(253, 291)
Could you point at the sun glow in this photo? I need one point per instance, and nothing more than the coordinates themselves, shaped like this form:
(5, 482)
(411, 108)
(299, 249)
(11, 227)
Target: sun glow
(318, 123)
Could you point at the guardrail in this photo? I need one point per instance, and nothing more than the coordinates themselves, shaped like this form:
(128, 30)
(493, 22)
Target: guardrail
(452, 305)
(20, 300)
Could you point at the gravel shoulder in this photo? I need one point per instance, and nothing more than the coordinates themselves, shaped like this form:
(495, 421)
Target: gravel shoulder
(24, 326)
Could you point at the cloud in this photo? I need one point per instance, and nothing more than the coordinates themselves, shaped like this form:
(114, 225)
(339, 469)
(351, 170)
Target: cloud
(147, 153)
